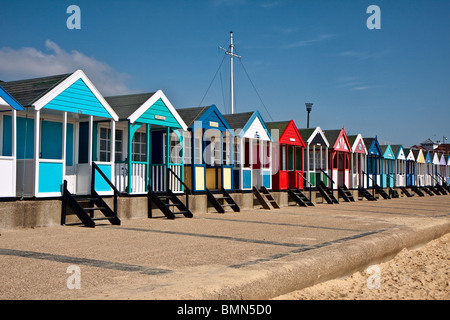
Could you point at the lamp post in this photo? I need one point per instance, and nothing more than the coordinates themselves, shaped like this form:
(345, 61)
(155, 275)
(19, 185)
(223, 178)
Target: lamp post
(308, 109)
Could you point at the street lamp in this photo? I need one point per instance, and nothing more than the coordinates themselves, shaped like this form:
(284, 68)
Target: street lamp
(308, 109)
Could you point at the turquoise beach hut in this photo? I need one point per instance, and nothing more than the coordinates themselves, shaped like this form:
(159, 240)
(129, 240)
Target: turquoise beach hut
(8, 143)
(55, 135)
(149, 143)
(387, 167)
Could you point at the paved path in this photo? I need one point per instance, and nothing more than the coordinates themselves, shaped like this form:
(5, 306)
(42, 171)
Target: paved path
(255, 254)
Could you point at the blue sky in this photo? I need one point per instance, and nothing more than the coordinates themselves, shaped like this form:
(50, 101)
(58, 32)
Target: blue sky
(393, 82)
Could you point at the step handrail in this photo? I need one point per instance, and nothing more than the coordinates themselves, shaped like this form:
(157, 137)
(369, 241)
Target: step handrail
(187, 190)
(117, 193)
(310, 184)
(326, 174)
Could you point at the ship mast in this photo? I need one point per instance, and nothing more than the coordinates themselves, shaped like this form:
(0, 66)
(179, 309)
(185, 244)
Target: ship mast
(231, 53)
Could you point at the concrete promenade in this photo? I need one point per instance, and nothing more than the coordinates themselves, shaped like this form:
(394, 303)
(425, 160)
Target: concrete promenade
(254, 254)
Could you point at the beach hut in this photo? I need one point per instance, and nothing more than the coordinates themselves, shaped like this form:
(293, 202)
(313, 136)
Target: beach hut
(435, 168)
(420, 167)
(442, 177)
(428, 174)
(56, 135)
(374, 157)
(387, 167)
(448, 169)
(410, 168)
(315, 155)
(149, 143)
(287, 166)
(339, 157)
(399, 165)
(8, 143)
(252, 148)
(208, 149)
(358, 162)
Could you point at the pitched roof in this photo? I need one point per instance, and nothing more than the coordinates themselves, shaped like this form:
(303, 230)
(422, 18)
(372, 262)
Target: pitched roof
(9, 99)
(306, 132)
(332, 136)
(238, 120)
(396, 148)
(280, 125)
(352, 139)
(190, 115)
(28, 91)
(126, 105)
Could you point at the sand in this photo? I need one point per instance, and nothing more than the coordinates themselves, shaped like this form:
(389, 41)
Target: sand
(419, 274)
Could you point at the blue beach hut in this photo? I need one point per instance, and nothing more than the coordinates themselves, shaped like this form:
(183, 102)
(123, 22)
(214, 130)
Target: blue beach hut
(8, 143)
(55, 135)
(208, 149)
(387, 167)
(149, 143)
(252, 150)
(410, 168)
(374, 157)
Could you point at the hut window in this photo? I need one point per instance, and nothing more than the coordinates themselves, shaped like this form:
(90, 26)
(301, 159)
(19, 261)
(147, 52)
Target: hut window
(291, 158)
(188, 147)
(247, 146)
(283, 158)
(198, 146)
(119, 146)
(175, 149)
(105, 145)
(298, 159)
(237, 151)
(139, 147)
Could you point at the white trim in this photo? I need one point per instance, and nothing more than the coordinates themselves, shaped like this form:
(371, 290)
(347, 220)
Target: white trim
(318, 130)
(151, 101)
(79, 74)
(355, 144)
(37, 150)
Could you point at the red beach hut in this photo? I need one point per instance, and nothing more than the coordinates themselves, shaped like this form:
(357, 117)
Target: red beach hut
(287, 162)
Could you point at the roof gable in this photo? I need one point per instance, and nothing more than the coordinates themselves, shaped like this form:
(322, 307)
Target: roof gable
(256, 128)
(374, 146)
(209, 116)
(288, 132)
(442, 160)
(435, 158)
(248, 125)
(358, 145)
(158, 110)
(419, 156)
(388, 153)
(428, 158)
(338, 140)
(73, 93)
(410, 155)
(315, 136)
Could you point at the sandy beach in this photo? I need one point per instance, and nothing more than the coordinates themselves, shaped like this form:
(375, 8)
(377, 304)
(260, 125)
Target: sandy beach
(419, 274)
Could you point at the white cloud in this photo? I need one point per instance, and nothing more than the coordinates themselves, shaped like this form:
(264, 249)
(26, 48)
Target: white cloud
(303, 43)
(29, 62)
